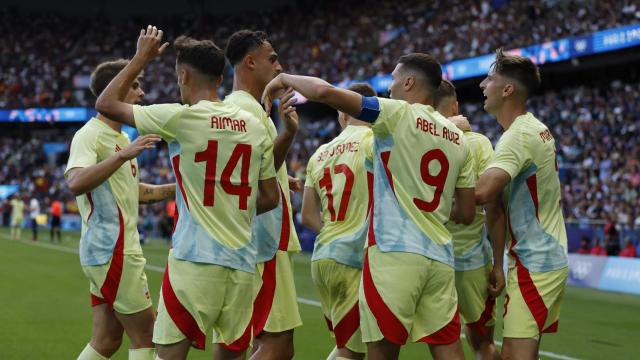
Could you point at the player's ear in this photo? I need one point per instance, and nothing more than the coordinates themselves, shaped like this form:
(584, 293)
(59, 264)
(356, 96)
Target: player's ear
(249, 61)
(409, 82)
(508, 90)
(454, 107)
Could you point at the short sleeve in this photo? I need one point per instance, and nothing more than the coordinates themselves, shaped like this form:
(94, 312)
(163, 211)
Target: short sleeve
(309, 181)
(485, 154)
(391, 112)
(83, 152)
(511, 153)
(467, 175)
(267, 169)
(161, 119)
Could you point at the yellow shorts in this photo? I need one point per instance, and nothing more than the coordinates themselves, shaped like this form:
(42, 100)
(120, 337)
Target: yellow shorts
(121, 284)
(277, 299)
(532, 303)
(477, 308)
(407, 296)
(16, 221)
(338, 286)
(196, 297)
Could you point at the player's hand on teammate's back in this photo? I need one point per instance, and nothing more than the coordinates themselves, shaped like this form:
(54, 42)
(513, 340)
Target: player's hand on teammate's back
(461, 122)
(138, 145)
(496, 281)
(149, 41)
(287, 111)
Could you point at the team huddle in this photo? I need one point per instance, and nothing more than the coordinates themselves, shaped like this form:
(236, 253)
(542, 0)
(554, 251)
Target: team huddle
(413, 210)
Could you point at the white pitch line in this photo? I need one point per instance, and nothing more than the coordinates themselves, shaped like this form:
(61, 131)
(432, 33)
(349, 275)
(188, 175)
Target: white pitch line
(301, 300)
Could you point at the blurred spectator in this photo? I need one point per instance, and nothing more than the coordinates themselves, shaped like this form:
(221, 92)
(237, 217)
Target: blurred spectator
(584, 249)
(612, 245)
(629, 249)
(17, 216)
(56, 212)
(34, 212)
(597, 249)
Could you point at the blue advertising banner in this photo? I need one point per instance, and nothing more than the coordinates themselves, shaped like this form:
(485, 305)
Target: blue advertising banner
(586, 270)
(8, 190)
(621, 274)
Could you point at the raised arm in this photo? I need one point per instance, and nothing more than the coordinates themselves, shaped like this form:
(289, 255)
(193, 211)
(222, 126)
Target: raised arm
(490, 185)
(149, 194)
(111, 102)
(289, 117)
(268, 195)
(84, 179)
(317, 90)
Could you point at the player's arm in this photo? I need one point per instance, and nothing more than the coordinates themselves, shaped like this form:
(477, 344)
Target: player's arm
(111, 102)
(311, 210)
(268, 195)
(289, 116)
(317, 90)
(149, 193)
(84, 179)
(496, 226)
(464, 210)
(490, 185)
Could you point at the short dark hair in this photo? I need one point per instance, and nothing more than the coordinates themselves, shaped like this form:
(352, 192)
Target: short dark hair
(363, 89)
(426, 64)
(445, 90)
(204, 55)
(519, 68)
(243, 41)
(104, 73)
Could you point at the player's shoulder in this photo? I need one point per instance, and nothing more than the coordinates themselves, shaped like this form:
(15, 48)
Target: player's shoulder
(477, 139)
(89, 131)
(245, 101)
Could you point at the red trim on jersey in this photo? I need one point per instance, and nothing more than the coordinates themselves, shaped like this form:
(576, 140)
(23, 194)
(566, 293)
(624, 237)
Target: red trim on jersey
(176, 217)
(109, 289)
(385, 155)
(369, 191)
(551, 328)
(179, 314)
(261, 307)
(90, 204)
(370, 235)
(348, 326)
(392, 329)
(480, 324)
(506, 305)
(532, 184)
(95, 301)
(285, 230)
(329, 323)
(448, 334)
(176, 170)
(528, 289)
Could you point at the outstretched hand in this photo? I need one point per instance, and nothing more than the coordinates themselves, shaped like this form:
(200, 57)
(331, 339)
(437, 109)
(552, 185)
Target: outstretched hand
(461, 122)
(149, 41)
(295, 184)
(138, 145)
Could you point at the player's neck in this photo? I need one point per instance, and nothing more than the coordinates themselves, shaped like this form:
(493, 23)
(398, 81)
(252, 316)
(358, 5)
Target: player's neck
(245, 84)
(116, 126)
(509, 113)
(203, 93)
(418, 98)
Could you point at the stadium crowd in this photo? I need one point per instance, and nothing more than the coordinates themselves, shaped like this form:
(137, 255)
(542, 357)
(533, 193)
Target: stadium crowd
(595, 129)
(51, 68)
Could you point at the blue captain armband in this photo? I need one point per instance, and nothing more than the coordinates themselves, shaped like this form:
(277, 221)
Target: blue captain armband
(370, 109)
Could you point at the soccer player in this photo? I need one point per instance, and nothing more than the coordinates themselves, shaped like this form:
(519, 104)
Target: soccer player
(275, 312)
(471, 245)
(103, 174)
(420, 161)
(335, 205)
(17, 215)
(524, 168)
(223, 162)
(34, 212)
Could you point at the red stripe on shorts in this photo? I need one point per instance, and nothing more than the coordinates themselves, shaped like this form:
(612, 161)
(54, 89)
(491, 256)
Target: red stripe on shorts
(179, 314)
(348, 326)
(95, 301)
(109, 289)
(285, 231)
(480, 324)
(528, 289)
(329, 323)
(391, 328)
(176, 170)
(551, 328)
(261, 307)
(448, 334)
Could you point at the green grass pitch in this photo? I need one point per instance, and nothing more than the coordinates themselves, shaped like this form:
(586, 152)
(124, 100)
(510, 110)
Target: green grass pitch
(45, 313)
